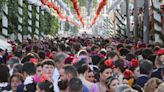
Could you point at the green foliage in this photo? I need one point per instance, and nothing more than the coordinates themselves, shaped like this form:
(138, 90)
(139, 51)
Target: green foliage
(44, 23)
(94, 3)
(1, 3)
(12, 16)
(33, 20)
(54, 26)
(83, 2)
(25, 18)
(48, 24)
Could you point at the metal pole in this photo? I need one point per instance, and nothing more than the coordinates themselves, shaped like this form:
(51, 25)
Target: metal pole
(135, 20)
(128, 18)
(146, 21)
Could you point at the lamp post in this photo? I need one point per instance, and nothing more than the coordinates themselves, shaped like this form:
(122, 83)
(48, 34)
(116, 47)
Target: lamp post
(146, 21)
(135, 14)
(128, 18)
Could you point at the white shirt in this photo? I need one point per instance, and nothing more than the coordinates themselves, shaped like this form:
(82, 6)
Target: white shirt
(55, 78)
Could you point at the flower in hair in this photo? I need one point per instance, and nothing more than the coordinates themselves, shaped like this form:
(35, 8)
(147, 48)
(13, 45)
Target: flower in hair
(134, 62)
(128, 74)
(160, 52)
(109, 63)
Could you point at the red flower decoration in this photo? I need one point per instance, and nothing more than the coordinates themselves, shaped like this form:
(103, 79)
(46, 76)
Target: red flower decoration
(69, 59)
(109, 63)
(34, 60)
(128, 73)
(134, 62)
(160, 52)
(47, 54)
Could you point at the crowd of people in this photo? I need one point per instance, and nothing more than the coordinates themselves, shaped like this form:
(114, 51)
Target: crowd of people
(82, 64)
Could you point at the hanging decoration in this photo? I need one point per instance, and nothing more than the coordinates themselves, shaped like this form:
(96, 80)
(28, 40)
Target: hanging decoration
(64, 7)
(77, 9)
(59, 12)
(100, 7)
(67, 9)
(51, 5)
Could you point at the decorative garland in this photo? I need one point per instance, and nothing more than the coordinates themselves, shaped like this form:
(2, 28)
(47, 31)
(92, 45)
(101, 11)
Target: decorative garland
(100, 7)
(60, 14)
(77, 9)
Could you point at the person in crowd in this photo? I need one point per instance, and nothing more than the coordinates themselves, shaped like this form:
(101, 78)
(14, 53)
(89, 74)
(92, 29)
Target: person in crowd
(123, 52)
(15, 80)
(138, 88)
(29, 71)
(99, 57)
(4, 75)
(92, 74)
(119, 47)
(66, 74)
(59, 59)
(162, 73)
(119, 69)
(145, 68)
(41, 55)
(48, 67)
(12, 62)
(81, 64)
(106, 70)
(76, 47)
(109, 48)
(82, 54)
(27, 57)
(159, 63)
(160, 88)
(146, 53)
(35, 50)
(45, 86)
(39, 76)
(121, 88)
(82, 69)
(129, 90)
(128, 78)
(152, 58)
(112, 56)
(111, 84)
(152, 84)
(94, 50)
(75, 85)
(1, 56)
(17, 68)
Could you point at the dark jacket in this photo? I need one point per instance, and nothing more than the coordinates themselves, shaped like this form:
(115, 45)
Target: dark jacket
(157, 73)
(141, 80)
(26, 88)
